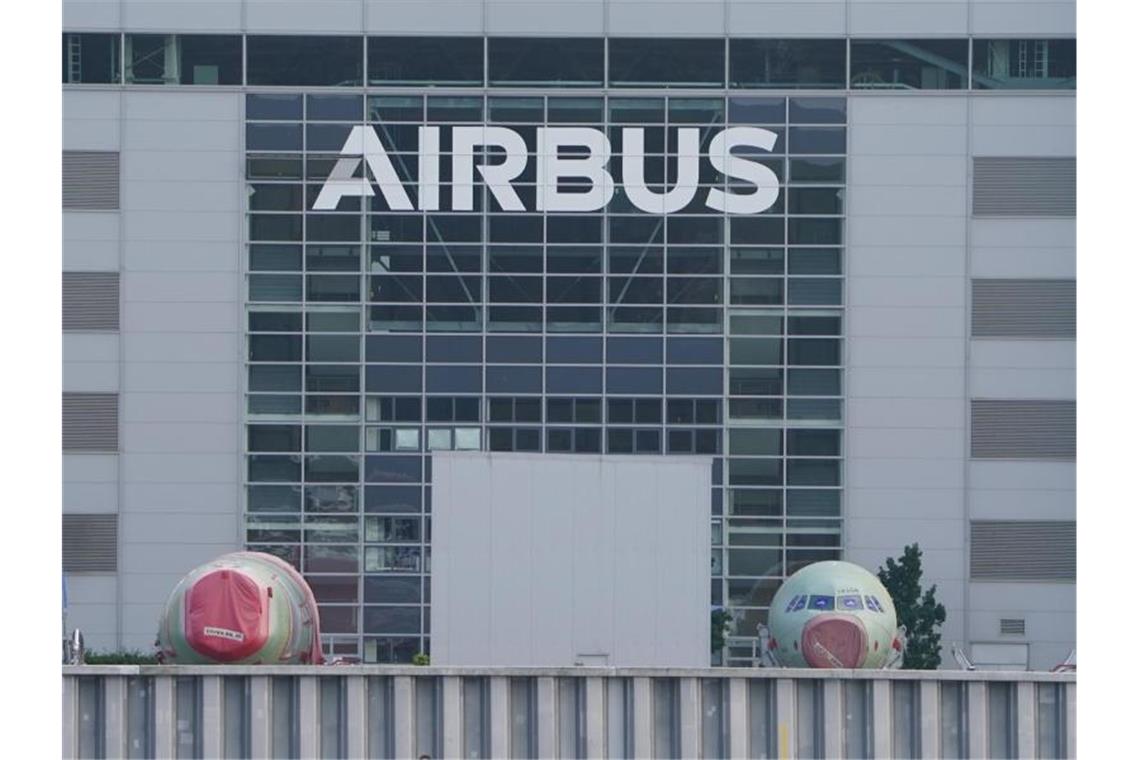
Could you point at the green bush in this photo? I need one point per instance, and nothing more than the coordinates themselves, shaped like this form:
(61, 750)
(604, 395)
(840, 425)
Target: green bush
(421, 659)
(119, 658)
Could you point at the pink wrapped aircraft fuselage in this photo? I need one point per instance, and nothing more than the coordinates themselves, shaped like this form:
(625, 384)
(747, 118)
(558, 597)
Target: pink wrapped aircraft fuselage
(243, 608)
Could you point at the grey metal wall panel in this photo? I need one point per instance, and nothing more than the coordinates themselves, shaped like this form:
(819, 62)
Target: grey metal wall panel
(1025, 186)
(214, 16)
(1024, 18)
(91, 180)
(1023, 550)
(431, 17)
(90, 543)
(638, 18)
(90, 300)
(566, 17)
(1023, 429)
(873, 17)
(1024, 308)
(773, 18)
(90, 422)
(545, 559)
(91, 14)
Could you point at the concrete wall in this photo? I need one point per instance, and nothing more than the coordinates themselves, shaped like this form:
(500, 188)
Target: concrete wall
(542, 560)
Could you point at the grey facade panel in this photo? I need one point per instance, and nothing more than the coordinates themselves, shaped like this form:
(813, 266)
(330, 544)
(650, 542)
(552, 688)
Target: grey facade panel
(1025, 186)
(90, 300)
(91, 180)
(90, 543)
(1023, 429)
(575, 545)
(91, 422)
(1023, 308)
(1023, 550)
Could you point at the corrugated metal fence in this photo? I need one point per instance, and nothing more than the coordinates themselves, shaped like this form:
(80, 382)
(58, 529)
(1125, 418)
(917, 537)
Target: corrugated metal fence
(410, 712)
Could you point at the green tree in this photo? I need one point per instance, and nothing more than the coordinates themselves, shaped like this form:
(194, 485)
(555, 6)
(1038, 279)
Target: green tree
(918, 611)
(720, 622)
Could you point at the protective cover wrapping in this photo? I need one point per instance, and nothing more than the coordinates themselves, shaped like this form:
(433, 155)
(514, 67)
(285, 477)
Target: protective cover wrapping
(243, 608)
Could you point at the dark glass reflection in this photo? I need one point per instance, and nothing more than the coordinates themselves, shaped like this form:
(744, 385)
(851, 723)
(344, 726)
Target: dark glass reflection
(450, 61)
(657, 62)
(815, 64)
(563, 61)
(1025, 64)
(90, 58)
(183, 59)
(304, 61)
(909, 64)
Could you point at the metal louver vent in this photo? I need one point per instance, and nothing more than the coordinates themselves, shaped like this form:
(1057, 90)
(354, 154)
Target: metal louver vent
(1010, 308)
(91, 180)
(1023, 429)
(90, 300)
(1013, 626)
(1023, 550)
(1025, 186)
(91, 422)
(90, 543)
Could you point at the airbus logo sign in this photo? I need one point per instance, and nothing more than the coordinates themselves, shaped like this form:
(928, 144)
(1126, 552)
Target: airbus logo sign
(563, 154)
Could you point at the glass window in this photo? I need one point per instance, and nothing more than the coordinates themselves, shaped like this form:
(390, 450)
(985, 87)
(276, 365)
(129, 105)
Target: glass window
(90, 58)
(392, 499)
(574, 110)
(275, 258)
(633, 380)
(809, 64)
(449, 61)
(442, 109)
(574, 350)
(757, 110)
(265, 107)
(393, 469)
(657, 62)
(817, 111)
(304, 61)
(810, 442)
(274, 438)
(183, 59)
(392, 589)
(634, 351)
(273, 137)
(526, 110)
(1025, 64)
(821, 602)
(565, 61)
(274, 498)
(909, 64)
(334, 108)
(341, 498)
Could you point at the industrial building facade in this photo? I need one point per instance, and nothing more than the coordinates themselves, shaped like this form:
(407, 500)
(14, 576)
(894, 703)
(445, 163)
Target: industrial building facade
(830, 245)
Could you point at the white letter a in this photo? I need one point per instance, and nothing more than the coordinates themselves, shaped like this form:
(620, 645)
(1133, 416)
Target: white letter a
(362, 141)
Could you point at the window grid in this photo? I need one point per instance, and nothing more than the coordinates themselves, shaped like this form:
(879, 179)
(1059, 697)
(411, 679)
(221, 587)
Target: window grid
(748, 533)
